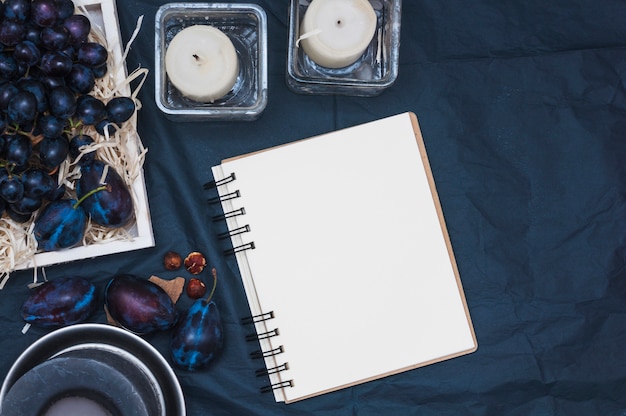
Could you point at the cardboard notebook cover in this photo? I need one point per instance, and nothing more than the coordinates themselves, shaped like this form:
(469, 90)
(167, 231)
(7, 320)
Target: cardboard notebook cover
(345, 257)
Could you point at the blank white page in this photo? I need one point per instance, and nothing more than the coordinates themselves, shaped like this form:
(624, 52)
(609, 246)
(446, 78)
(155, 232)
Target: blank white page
(351, 255)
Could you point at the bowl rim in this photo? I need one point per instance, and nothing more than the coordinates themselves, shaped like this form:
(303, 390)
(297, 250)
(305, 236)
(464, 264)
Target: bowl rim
(90, 335)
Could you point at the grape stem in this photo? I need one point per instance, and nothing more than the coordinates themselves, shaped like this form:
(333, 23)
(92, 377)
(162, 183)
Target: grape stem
(88, 194)
(208, 298)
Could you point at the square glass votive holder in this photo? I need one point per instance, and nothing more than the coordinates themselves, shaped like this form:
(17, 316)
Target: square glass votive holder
(374, 71)
(246, 26)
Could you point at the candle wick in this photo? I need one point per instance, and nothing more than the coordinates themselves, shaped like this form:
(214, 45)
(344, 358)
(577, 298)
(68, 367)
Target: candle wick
(197, 58)
(338, 22)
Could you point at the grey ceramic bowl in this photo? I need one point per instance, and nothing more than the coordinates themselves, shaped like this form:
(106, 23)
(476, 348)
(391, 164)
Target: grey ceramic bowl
(104, 365)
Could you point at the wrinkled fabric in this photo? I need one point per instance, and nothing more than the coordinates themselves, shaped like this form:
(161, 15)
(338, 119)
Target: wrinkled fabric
(523, 112)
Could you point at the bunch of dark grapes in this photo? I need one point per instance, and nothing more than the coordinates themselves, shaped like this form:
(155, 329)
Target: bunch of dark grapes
(48, 70)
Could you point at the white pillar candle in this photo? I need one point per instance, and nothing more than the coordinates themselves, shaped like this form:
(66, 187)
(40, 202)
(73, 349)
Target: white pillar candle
(201, 62)
(335, 33)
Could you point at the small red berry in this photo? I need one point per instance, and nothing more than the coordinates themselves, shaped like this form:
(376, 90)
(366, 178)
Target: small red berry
(195, 262)
(172, 260)
(195, 288)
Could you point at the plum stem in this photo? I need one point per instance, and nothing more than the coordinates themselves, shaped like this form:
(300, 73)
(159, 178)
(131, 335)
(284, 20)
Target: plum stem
(88, 194)
(208, 298)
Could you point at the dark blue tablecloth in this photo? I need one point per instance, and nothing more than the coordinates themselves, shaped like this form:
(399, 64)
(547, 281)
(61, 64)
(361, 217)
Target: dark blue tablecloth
(522, 105)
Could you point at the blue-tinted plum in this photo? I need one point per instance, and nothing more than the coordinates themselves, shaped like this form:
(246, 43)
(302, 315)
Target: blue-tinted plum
(139, 305)
(91, 54)
(62, 102)
(78, 27)
(198, 336)
(112, 207)
(53, 151)
(59, 225)
(44, 12)
(120, 109)
(33, 34)
(60, 302)
(89, 110)
(57, 193)
(22, 107)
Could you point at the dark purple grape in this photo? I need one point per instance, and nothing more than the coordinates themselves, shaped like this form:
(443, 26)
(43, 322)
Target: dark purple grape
(33, 34)
(66, 8)
(62, 102)
(44, 12)
(7, 91)
(78, 27)
(198, 336)
(8, 66)
(92, 54)
(56, 64)
(37, 88)
(112, 207)
(2, 206)
(120, 109)
(27, 205)
(60, 224)
(18, 149)
(80, 79)
(60, 302)
(55, 38)
(89, 110)
(17, 10)
(12, 32)
(22, 107)
(53, 151)
(3, 126)
(139, 305)
(27, 52)
(77, 145)
(12, 189)
(51, 82)
(4, 175)
(100, 71)
(57, 193)
(49, 125)
(106, 125)
(17, 216)
(37, 183)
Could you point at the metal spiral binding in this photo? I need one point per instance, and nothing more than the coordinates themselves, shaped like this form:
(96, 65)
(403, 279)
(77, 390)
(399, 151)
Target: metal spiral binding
(243, 247)
(267, 371)
(225, 197)
(264, 335)
(257, 318)
(236, 231)
(230, 214)
(281, 385)
(215, 184)
(264, 354)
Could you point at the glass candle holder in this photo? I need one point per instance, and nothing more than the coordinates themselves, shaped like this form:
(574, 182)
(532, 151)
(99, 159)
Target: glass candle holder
(246, 26)
(374, 71)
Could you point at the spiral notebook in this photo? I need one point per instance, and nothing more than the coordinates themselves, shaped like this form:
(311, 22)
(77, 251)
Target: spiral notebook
(345, 258)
